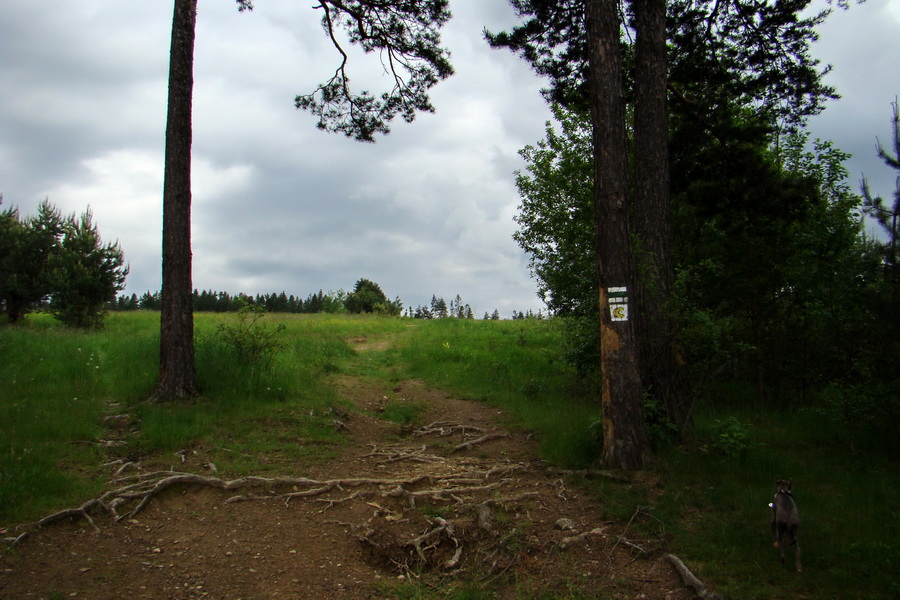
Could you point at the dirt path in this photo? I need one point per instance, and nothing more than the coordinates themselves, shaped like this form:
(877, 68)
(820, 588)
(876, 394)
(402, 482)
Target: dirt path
(415, 509)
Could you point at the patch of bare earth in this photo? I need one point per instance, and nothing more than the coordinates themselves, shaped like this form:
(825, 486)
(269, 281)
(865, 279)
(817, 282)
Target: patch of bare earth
(455, 497)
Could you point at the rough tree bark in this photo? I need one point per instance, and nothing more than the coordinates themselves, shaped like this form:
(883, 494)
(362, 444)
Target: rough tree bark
(177, 375)
(660, 372)
(625, 443)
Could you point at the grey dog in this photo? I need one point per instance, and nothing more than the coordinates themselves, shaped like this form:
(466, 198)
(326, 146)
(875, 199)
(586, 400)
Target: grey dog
(785, 520)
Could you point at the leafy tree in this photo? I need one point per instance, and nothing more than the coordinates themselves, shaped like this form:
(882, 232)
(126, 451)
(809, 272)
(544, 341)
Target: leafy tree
(459, 310)
(125, 303)
(86, 273)
(555, 216)
(753, 52)
(778, 258)
(332, 302)
(406, 34)
(557, 230)
(774, 281)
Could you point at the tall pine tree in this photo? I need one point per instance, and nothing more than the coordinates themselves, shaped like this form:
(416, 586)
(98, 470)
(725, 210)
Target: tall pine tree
(408, 33)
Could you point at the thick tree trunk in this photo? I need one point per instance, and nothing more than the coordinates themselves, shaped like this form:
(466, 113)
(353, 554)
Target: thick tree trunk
(660, 372)
(624, 432)
(177, 376)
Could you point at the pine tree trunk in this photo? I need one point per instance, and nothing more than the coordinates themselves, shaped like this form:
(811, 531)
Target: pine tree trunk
(660, 372)
(177, 376)
(624, 432)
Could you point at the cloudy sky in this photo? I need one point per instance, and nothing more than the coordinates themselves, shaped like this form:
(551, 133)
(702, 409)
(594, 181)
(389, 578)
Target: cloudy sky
(279, 205)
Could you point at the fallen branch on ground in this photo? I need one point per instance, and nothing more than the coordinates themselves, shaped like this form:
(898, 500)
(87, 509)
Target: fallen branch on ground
(690, 580)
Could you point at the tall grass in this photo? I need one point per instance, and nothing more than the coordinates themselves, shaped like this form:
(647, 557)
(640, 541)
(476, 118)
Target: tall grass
(254, 416)
(57, 386)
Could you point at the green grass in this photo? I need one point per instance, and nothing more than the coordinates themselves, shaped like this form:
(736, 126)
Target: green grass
(513, 365)
(707, 500)
(403, 413)
(60, 384)
(711, 505)
(57, 387)
(718, 508)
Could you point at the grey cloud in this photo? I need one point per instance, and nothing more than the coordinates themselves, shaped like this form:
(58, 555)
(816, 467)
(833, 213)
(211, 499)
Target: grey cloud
(279, 205)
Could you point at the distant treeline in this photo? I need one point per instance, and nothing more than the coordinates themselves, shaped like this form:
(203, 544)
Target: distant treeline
(213, 301)
(319, 302)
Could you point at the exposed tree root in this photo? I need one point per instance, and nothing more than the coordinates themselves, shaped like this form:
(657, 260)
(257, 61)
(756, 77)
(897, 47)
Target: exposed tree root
(570, 541)
(138, 490)
(397, 455)
(445, 428)
(81, 511)
(15, 541)
(431, 538)
(485, 438)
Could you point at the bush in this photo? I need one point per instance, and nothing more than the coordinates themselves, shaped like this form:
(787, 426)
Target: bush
(250, 340)
(731, 437)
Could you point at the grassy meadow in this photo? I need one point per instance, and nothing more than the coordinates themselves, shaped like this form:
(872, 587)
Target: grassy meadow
(71, 401)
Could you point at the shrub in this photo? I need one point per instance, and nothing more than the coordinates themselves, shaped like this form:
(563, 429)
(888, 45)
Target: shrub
(251, 340)
(731, 437)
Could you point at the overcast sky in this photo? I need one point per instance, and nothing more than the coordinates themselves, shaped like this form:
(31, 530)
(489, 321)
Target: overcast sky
(279, 205)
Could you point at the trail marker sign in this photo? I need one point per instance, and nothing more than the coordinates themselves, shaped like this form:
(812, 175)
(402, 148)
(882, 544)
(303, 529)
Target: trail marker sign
(617, 298)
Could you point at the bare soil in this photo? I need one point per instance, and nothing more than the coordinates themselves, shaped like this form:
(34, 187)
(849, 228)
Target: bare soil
(403, 511)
